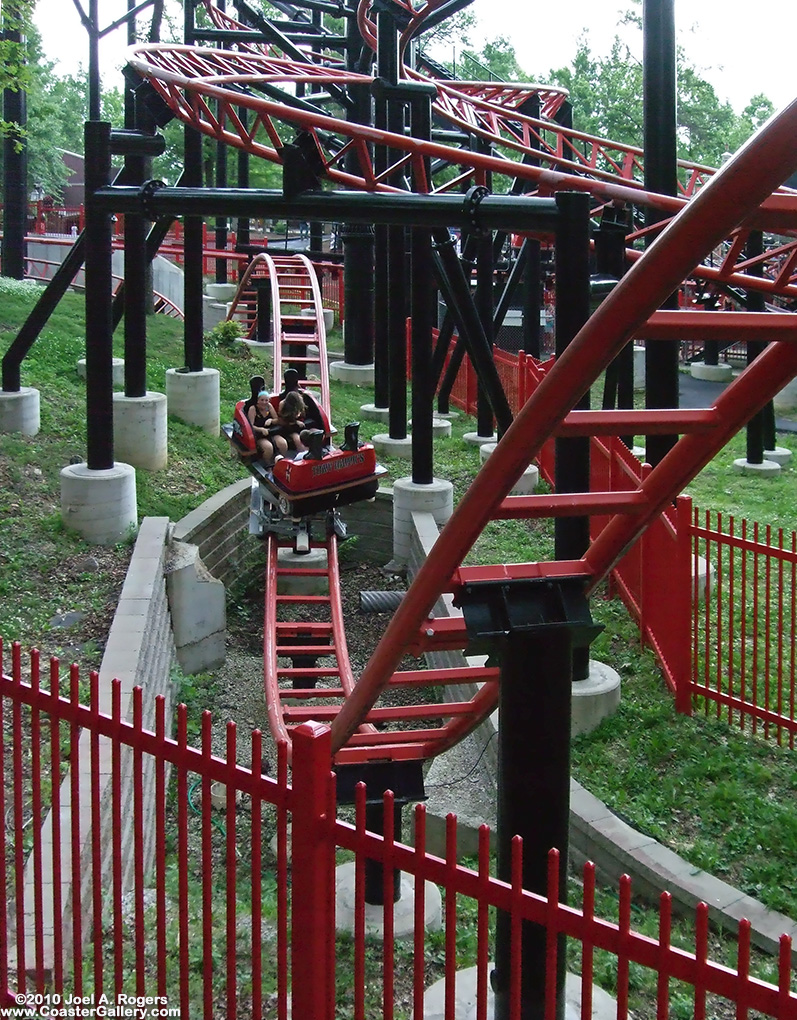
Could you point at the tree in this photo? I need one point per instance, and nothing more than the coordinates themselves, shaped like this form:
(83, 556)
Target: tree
(607, 97)
(495, 61)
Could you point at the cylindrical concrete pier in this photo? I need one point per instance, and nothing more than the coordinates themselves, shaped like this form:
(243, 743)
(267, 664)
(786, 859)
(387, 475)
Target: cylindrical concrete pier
(436, 498)
(193, 397)
(19, 411)
(99, 504)
(140, 432)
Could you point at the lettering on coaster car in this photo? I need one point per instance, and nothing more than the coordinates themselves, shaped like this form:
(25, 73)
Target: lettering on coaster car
(325, 466)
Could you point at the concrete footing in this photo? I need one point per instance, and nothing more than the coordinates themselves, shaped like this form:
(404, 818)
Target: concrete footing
(370, 412)
(639, 368)
(140, 433)
(309, 583)
(476, 440)
(711, 373)
(403, 908)
(604, 1007)
(703, 578)
(780, 455)
(197, 602)
(193, 397)
(595, 698)
(527, 482)
(117, 370)
(99, 504)
(356, 375)
(766, 469)
(329, 316)
(383, 443)
(461, 781)
(440, 428)
(221, 292)
(19, 411)
(436, 498)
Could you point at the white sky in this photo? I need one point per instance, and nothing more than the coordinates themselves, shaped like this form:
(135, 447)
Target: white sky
(741, 53)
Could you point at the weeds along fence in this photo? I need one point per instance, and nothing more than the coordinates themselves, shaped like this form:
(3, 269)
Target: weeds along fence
(715, 598)
(237, 915)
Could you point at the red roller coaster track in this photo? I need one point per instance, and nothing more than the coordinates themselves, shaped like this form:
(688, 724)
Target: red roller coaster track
(205, 88)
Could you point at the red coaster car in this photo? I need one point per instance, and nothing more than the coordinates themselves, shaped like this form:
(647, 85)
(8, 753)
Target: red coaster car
(326, 477)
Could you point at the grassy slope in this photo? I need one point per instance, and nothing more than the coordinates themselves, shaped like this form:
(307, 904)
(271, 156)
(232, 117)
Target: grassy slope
(726, 803)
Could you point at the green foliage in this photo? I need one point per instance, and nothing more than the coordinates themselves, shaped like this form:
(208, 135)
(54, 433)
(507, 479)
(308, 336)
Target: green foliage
(224, 334)
(495, 60)
(607, 97)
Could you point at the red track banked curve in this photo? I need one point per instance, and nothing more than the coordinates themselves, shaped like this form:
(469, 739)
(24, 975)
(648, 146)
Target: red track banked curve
(740, 196)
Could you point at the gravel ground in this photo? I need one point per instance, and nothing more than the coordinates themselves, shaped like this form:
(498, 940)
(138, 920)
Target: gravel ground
(240, 681)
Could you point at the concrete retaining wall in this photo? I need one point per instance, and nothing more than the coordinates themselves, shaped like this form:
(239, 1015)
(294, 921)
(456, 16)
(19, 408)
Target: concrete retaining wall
(167, 277)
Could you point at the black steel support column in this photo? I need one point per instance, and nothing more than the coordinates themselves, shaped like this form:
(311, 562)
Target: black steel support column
(94, 61)
(755, 303)
(572, 311)
(358, 240)
(387, 69)
(397, 332)
(610, 262)
(571, 534)
(532, 626)
(316, 228)
(485, 265)
(531, 281)
(422, 313)
(660, 143)
(242, 222)
(138, 279)
(711, 352)
(99, 325)
(192, 235)
(221, 221)
(15, 156)
(533, 801)
(358, 282)
(485, 303)
(221, 182)
(381, 313)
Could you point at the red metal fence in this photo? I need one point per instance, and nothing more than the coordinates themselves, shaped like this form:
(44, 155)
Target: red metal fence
(237, 915)
(745, 624)
(716, 601)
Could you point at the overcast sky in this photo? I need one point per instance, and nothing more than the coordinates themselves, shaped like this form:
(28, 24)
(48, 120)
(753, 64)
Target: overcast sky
(741, 53)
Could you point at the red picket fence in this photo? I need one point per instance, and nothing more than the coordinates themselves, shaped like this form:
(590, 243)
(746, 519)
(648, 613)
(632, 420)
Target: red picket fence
(745, 624)
(330, 278)
(237, 913)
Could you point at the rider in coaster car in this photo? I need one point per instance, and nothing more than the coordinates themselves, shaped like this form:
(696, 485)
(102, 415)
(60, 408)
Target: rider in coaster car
(261, 417)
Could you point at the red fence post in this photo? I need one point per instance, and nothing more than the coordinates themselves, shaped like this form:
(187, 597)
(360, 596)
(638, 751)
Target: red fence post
(682, 614)
(312, 875)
